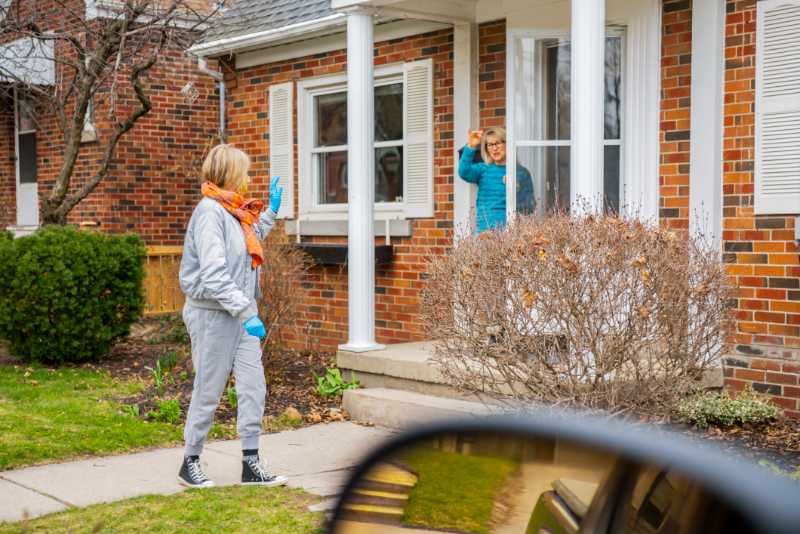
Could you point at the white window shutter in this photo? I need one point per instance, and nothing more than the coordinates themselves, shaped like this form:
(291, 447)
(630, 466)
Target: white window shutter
(418, 133)
(777, 150)
(281, 143)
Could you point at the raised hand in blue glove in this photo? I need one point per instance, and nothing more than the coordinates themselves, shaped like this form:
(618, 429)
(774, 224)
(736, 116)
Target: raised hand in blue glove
(255, 327)
(275, 194)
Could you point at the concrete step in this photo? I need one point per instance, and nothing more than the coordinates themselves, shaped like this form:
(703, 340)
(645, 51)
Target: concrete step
(396, 408)
(381, 498)
(402, 366)
(371, 511)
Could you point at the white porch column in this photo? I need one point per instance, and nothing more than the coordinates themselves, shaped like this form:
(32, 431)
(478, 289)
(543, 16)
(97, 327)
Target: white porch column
(587, 107)
(465, 104)
(361, 183)
(705, 150)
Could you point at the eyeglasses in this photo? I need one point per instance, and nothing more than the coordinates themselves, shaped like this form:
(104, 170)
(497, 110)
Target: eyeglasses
(498, 144)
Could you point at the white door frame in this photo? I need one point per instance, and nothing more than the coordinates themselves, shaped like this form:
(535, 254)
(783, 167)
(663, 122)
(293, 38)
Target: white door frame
(27, 194)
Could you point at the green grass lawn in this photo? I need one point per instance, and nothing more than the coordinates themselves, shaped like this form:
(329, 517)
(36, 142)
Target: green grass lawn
(454, 491)
(47, 416)
(232, 509)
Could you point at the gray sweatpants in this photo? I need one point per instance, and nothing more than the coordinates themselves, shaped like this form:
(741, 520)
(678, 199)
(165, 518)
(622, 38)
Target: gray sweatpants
(221, 344)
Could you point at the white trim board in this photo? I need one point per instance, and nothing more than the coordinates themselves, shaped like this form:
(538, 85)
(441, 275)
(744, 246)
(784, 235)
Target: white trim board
(705, 149)
(338, 41)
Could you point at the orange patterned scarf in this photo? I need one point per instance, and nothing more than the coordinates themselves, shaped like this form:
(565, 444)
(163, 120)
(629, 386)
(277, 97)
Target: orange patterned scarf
(247, 213)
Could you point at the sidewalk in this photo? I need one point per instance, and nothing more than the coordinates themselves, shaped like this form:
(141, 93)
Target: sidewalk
(317, 459)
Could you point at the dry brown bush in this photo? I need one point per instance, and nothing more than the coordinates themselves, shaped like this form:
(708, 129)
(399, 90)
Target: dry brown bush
(283, 275)
(596, 312)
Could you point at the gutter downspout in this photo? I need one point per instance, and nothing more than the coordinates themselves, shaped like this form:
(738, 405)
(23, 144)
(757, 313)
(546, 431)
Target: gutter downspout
(201, 63)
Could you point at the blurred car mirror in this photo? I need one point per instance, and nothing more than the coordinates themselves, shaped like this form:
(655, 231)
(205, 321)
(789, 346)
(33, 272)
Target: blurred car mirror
(555, 476)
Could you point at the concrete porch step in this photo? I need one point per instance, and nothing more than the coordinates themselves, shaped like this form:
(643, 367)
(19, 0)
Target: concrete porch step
(397, 408)
(402, 366)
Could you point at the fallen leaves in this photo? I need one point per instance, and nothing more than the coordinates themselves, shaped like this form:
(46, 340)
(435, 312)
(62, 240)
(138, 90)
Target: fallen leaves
(327, 415)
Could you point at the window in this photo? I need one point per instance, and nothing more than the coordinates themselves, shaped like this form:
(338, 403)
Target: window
(329, 154)
(541, 130)
(403, 103)
(26, 143)
(777, 150)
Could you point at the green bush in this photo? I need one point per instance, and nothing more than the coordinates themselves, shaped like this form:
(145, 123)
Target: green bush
(723, 410)
(6, 236)
(66, 294)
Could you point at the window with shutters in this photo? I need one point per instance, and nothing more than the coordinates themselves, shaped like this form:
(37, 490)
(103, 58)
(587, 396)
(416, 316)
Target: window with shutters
(403, 144)
(777, 151)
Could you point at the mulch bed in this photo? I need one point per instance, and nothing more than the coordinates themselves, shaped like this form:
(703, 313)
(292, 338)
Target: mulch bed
(291, 386)
(776, 441)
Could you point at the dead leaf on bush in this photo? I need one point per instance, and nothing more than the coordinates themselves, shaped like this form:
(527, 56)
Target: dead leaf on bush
(529, 297)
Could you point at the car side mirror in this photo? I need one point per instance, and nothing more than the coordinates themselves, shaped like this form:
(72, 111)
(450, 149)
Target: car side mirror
(556, 476)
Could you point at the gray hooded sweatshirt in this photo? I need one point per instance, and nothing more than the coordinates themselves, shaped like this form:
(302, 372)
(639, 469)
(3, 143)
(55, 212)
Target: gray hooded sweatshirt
(216, 270)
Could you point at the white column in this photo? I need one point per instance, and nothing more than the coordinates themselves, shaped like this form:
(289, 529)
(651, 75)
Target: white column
(361, 183)
(465, 105)
(587, 113)
(705, 151)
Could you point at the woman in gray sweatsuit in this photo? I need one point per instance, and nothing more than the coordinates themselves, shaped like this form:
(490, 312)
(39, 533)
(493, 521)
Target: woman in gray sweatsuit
(219, 274)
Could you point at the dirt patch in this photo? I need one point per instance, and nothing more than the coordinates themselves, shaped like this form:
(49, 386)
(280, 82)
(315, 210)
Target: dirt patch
(293, 386)
(775, 441)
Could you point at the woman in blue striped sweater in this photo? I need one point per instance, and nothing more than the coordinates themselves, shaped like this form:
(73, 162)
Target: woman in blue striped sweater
(491, 178)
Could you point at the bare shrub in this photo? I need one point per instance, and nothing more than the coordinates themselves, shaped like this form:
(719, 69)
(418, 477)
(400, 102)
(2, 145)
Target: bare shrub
(597, 312)
(283, 274)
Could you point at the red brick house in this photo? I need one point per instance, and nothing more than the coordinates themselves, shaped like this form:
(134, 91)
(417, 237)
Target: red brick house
(151, 187)
(680, 109)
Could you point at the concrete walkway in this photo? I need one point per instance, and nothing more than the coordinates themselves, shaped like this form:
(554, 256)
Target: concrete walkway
(316, 458)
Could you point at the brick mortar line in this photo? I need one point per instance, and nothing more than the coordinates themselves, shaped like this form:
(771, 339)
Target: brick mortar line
(65, 503)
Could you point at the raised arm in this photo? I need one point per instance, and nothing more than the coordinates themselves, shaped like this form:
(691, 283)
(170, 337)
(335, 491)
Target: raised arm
(468, 171)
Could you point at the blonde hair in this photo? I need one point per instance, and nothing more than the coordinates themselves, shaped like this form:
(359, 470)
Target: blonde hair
(499, 134)
(226, 167)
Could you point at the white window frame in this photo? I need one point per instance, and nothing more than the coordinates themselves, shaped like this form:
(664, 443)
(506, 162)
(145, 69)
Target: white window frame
(539, 91)
(640, 89)
(308, 182)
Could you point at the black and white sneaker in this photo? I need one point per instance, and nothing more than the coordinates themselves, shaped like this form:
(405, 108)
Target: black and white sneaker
(254, 473)
(192, 475)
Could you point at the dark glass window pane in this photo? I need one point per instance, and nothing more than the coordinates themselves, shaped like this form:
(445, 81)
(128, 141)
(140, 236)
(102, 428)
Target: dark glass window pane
(613, 89)
(331, 119)
(557, 167)
(558, 92)
(28, 164)
(389, 174)
(389, 112)
(611, 176)
(332, 172)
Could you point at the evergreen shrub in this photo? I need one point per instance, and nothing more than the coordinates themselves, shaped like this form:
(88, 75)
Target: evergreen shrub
(67, 294)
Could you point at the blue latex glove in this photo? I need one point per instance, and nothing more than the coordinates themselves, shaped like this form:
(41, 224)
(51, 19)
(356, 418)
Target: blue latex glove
(255, 327)
(275, 194)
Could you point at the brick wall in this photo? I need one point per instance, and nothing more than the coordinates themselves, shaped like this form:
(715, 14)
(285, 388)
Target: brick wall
(492, 73)
(676, 57)
(324, 322)
(8, 188)
(761, 250)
